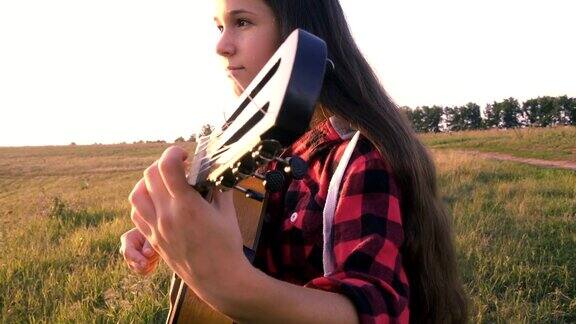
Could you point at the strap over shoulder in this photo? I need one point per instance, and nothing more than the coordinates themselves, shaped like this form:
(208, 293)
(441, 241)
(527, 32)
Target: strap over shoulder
(343, 128)
(331, 202)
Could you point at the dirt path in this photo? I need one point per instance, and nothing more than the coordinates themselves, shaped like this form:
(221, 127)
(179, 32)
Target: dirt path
(506, 157)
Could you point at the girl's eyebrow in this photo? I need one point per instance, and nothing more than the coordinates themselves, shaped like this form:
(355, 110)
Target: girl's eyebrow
(236, 12)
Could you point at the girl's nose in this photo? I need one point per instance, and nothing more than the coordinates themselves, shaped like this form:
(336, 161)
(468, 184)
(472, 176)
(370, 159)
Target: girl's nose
(225, 46)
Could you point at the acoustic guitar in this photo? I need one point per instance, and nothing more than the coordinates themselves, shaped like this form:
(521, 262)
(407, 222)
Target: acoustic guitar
(272, 112)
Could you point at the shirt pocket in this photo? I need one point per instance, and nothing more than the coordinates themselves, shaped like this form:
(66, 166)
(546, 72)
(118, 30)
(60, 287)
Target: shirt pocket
(303, 212)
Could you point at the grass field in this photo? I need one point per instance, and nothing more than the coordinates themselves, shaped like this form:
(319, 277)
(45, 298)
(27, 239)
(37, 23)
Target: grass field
(558, 143)
(62, 210)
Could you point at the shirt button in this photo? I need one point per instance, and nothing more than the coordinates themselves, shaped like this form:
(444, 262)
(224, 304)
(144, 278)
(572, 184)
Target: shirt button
(293, 217)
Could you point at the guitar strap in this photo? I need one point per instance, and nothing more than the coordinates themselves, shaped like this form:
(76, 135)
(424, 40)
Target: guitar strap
(332, 198)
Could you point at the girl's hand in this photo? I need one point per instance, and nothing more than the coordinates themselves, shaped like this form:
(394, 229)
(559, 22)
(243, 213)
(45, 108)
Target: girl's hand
(200, 241)
(138, 253)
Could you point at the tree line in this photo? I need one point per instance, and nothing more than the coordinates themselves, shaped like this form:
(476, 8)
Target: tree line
(509, 113)
(204, 131)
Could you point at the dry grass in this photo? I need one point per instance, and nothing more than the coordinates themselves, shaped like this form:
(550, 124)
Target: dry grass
(62, 210)
(558, 143)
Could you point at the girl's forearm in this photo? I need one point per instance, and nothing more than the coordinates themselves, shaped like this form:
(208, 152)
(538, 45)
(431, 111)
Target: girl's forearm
(259, 298)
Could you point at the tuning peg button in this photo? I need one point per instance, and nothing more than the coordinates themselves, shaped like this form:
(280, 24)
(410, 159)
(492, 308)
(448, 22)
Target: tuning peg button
(274, 181)
(246, 166)
(227, 179)
(297, 167)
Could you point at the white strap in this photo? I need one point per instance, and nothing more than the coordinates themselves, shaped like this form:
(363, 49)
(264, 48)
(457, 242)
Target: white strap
(330, 206)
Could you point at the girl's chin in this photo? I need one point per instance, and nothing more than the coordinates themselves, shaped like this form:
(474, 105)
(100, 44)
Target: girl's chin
(237, 88)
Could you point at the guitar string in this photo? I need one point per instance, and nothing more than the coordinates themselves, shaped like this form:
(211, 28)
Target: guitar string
(224, 148)
(208, 164)
(226, 124)
(252, 100)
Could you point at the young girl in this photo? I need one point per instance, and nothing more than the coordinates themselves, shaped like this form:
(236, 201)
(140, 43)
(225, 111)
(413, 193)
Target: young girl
(394, 258)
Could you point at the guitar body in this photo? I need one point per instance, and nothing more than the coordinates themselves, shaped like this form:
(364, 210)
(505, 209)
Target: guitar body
(190, 308)
(276, 108)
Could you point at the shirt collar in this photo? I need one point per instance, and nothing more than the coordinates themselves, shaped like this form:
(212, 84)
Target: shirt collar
(326, 133)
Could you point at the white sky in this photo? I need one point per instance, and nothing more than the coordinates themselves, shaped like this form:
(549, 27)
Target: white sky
(124, 70)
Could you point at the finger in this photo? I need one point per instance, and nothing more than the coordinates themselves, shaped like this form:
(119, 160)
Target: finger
(131, 239)
(147, 270)
(155, 186)
(134, 258)
(172, 166)
(143, 267)
(136, 266)
(140, 223)
(142, 202)
(148, 250)
(224, 201)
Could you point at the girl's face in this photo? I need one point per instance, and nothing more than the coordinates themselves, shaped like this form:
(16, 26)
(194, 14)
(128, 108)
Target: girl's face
(249, 35)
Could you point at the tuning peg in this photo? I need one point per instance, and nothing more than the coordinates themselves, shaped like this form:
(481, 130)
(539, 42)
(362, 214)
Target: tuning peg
(273, 180)
(297, 167)
(249, 193)
(269, 149)
(227, 179)
(245, 166)
(266, 151)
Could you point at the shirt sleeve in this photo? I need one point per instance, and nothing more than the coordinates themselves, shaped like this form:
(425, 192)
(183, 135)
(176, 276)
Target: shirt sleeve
(367, 235)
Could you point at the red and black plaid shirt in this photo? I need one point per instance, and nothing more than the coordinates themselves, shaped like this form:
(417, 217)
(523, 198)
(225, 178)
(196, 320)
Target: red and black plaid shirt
(367, 230)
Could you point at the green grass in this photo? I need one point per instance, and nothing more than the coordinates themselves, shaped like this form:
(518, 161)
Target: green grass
(516, 234)
(557, 143)
(63, 209)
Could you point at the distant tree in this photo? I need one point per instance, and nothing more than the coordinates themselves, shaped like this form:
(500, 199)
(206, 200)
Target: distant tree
(73, 144)
(179, 140)
(568, 110)
(511, 111)
(543, 111)
(505, 114)
(492, 113)
(473, 117)
(454, 118)
(432, 116)
(531, 112)
(550, 111)
(192, 138)
(463, 118)
(417, 118)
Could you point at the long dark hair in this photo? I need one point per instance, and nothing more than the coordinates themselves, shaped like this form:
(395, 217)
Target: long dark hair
(353, 92)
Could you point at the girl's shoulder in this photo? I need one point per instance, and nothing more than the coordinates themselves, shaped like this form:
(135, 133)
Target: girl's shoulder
(365, 154)
(367, 170)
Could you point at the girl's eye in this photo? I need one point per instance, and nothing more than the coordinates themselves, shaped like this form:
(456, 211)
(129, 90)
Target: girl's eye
(242, 23)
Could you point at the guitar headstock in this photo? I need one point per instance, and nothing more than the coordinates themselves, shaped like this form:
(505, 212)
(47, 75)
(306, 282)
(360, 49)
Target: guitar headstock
(273, 111)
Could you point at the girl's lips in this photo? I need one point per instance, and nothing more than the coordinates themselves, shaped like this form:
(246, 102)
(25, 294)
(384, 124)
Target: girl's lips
(235, 71)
